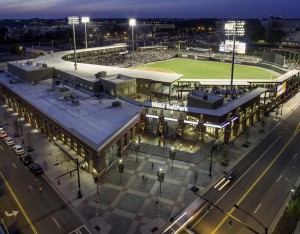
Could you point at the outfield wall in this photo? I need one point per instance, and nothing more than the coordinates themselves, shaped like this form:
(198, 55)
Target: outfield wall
(262, 65)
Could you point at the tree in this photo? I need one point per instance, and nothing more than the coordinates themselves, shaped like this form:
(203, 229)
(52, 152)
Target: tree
(225, 153)
(263, 124)
(16, 125)
(275, 36)
(247, 135)
(293, 209)
(29, 141)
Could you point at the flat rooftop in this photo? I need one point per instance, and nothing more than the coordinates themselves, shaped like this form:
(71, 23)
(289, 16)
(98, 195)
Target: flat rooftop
(94, 120)
(88, 71)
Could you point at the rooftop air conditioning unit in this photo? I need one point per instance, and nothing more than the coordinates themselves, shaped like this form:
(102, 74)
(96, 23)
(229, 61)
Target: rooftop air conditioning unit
(116, 104)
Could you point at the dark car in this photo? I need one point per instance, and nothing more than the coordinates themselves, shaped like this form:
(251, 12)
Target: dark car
(26, 159)
(35, 168)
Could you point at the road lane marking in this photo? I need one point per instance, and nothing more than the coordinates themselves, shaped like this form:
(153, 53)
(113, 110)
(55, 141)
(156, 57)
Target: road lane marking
(56, 222)
(279, 178)
(257, 208)
(295, 156)
(14, 165)
(255, 183)
(19, 204)
(238, 180)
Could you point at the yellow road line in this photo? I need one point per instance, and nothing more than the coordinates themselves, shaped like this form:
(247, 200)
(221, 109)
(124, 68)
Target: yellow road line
(255, 183)
(19, 204)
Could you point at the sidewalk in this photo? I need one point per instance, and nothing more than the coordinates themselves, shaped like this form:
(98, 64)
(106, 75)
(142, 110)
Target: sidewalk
(132, 202)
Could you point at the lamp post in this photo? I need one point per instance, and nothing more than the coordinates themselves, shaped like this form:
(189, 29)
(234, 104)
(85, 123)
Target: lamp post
(195, 190)
(132, 23)
(72, 21)
(211, 153)
(97, 201)
(265, 228)
(136, 149)
(172, 154)
(120, 168)
(85, 20)
(21, 130)
(79, 195)
(234, 28)
(160, 177)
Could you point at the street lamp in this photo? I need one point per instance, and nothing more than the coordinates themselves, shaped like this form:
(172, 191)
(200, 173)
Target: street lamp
(266, 229)
(121, 168)
(172, 154)
(72, 20)
(160, 177)
(136, 146)
(85, 20)
(21, 130)
(234, 28)
(211, 153)
(132, 23)
(195, 190)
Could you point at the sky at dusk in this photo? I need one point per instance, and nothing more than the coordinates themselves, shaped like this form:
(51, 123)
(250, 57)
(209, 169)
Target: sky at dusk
(12, 9)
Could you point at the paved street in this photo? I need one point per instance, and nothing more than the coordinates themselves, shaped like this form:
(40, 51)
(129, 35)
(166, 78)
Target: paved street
(132, 202)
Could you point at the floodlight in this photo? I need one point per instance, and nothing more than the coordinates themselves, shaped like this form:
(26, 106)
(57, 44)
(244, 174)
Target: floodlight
(132, 22)
(73, 20)
(85, 19)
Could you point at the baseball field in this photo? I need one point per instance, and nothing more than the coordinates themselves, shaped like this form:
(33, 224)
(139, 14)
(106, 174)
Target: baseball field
(192, 69)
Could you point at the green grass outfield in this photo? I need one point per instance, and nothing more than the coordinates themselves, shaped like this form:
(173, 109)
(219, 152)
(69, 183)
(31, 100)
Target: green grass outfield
(209, 70)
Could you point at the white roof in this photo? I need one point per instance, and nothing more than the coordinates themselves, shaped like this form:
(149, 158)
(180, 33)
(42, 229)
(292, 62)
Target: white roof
(93, 120)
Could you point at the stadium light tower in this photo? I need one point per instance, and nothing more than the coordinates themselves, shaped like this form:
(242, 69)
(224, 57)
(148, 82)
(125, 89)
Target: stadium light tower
(132, 23)
(85, 20)
(72, 21)
(234, 28)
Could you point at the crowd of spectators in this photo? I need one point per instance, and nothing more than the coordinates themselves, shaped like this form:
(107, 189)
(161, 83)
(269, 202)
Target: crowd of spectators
(129, 59)
(238, 57)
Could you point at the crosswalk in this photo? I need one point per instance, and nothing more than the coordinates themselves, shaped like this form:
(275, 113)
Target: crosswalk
(81, 230)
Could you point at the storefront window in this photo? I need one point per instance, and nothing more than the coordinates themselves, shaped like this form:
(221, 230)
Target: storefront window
(111, 154)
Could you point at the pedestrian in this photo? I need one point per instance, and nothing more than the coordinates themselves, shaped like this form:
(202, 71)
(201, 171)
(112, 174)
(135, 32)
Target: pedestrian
(143, 177)
(152, 165)
(40, 190)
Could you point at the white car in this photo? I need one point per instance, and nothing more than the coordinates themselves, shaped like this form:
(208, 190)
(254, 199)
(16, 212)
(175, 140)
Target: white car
(3, 133)
(18, 149)
(9, 141)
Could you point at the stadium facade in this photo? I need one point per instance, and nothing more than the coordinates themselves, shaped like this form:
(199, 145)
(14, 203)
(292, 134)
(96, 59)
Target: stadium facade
(96, 111)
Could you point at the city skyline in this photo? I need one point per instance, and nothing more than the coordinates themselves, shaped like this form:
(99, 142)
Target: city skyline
(17, 9)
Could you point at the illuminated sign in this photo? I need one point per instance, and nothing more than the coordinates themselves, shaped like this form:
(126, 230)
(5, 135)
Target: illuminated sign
(169, 106)
(240, 47)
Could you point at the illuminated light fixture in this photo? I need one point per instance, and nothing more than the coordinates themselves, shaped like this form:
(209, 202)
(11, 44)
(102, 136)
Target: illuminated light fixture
(132, 23)
(190, 122)
(234, 118)
(72, 20)
(234, 28)
(85, 20)
(212, 125)
(225, 124)
(152, 116)
(171, 119)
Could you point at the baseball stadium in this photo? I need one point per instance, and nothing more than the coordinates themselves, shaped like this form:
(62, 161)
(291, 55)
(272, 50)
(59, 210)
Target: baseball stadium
(99, 100)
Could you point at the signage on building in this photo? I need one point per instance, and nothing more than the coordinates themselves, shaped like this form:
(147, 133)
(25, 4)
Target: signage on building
(169, 106)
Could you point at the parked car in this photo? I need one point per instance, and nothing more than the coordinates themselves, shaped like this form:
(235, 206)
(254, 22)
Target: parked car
(26, 159)
(35, 168)
(9, 141)
(1, 127)
(3, 133)
(18, 149)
